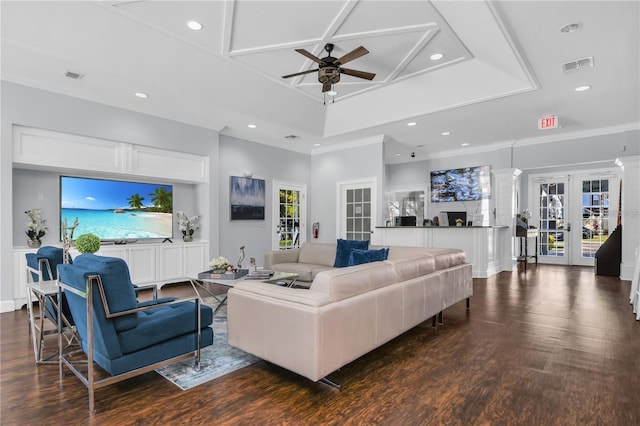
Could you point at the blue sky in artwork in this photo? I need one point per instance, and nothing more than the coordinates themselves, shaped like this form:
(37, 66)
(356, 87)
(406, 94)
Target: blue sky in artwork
(97, 194)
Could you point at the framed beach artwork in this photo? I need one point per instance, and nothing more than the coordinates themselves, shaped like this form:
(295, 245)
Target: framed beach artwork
(247, 198)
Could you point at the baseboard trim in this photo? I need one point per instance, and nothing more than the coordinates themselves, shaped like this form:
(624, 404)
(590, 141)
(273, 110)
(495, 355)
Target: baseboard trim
(7, 306)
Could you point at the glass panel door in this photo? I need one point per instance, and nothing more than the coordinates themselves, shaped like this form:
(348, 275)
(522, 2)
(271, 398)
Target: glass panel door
(357, 211)
(288, 215)
(358, 214)
(551, 216)
(597, 198)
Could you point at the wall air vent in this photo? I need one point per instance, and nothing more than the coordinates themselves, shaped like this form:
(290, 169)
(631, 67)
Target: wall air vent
(74, 75)
(578, 65)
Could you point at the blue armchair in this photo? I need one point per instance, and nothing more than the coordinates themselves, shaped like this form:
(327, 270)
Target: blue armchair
(42, 266)
(126, 338)
(41, 288)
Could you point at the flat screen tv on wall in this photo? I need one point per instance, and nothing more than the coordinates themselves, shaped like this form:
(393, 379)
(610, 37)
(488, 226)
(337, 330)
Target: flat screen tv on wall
(117, 210)
(464, 184)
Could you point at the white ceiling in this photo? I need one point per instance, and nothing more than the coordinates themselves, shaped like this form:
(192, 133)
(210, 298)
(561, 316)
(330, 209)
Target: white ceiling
(500, 73)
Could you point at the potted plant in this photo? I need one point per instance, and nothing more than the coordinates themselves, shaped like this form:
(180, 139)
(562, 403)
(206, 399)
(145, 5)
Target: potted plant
(88, 243)
(187, 225)
(36, 227)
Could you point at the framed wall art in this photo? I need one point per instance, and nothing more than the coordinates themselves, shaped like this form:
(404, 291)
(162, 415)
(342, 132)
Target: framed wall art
(247, 198)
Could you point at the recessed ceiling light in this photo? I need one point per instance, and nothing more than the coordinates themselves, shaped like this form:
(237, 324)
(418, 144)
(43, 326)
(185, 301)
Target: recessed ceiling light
(142, 95)
(465, 144)
(252, 126)
(437, 56)
(413, 123)
(582, 88)
(316, 144)
(194, 25)
(571, 28)
(445, 133)
(396, 154)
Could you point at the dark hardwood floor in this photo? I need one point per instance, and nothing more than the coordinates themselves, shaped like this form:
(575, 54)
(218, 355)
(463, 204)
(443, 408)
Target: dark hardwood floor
(558, 346)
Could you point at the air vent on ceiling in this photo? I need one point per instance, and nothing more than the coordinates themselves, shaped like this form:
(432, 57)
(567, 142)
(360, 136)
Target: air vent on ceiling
(74, 75)
(578, 64)
(292, 137)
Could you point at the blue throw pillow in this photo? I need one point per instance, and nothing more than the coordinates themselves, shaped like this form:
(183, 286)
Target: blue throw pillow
(358, 257)
(343, 250)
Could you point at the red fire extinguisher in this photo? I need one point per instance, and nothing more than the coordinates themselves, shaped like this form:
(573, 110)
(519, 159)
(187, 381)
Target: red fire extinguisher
(316, 228)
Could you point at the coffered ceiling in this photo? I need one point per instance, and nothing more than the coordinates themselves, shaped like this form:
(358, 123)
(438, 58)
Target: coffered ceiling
(500, 70)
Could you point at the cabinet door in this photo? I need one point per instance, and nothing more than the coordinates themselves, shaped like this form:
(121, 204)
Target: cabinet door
(195, 259)
(142, 264)
(169, 260)
(120, 251)
(44, 148)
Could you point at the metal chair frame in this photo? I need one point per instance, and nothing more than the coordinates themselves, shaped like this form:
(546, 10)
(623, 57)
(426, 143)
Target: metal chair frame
(36, 319)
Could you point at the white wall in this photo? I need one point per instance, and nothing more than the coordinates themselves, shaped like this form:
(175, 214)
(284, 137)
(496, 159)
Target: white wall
(265, 163)
(417, 174)
(330, 168)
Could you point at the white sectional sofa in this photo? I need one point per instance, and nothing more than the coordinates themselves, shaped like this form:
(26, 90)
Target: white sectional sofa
(346, 312)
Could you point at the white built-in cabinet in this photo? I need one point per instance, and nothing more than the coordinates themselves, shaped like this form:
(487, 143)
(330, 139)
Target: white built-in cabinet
(148, 263)
(44, 149)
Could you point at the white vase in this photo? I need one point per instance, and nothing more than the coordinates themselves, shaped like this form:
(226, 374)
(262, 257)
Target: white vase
(34, 243)
(187, 238)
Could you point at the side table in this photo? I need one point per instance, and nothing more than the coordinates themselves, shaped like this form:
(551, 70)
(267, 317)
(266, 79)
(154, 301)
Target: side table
(43, 292)
(524, 234)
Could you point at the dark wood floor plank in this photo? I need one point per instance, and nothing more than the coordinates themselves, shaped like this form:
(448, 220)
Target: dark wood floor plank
(557, 346)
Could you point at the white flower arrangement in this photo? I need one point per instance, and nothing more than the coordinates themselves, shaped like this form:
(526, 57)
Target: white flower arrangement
(36, 226)
(219, 263)
(187, 224)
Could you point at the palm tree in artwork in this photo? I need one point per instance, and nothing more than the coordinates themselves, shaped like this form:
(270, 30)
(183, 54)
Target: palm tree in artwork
(135, 201)
(162, 199)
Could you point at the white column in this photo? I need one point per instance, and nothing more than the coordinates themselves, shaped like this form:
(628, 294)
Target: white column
(505, 183)
(630, 214)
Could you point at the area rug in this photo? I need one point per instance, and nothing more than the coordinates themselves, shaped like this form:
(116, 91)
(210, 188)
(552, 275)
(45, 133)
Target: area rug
(215, 360)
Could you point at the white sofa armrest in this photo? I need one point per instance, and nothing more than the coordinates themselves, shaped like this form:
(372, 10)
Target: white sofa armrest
(283, 294)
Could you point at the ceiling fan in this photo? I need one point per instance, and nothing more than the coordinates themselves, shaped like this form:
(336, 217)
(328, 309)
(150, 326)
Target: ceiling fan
(330, 68)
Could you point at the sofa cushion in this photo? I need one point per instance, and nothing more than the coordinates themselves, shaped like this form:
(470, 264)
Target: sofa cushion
(118, 288)
(163, 323)
(317, 254)
(358, 257)
(343, 251)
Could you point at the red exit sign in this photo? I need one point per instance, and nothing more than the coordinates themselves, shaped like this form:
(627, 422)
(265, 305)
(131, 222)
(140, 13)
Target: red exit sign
(548, 122)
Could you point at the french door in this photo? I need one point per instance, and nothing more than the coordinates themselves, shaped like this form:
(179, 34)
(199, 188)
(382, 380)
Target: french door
(289, 215)
(575, 214)
(597, 195)
(357, 201)
(550, 215)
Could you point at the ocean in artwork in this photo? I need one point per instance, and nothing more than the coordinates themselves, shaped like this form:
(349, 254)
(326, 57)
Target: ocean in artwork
(109, 225)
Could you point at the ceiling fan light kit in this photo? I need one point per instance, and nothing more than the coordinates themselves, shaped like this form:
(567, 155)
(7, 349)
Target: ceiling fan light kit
(330, 68)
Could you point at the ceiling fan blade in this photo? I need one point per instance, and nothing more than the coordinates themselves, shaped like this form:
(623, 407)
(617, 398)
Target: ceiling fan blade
(356, 73)
(310, 56)
(354, 54)
(299, 73)
(326, 87)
